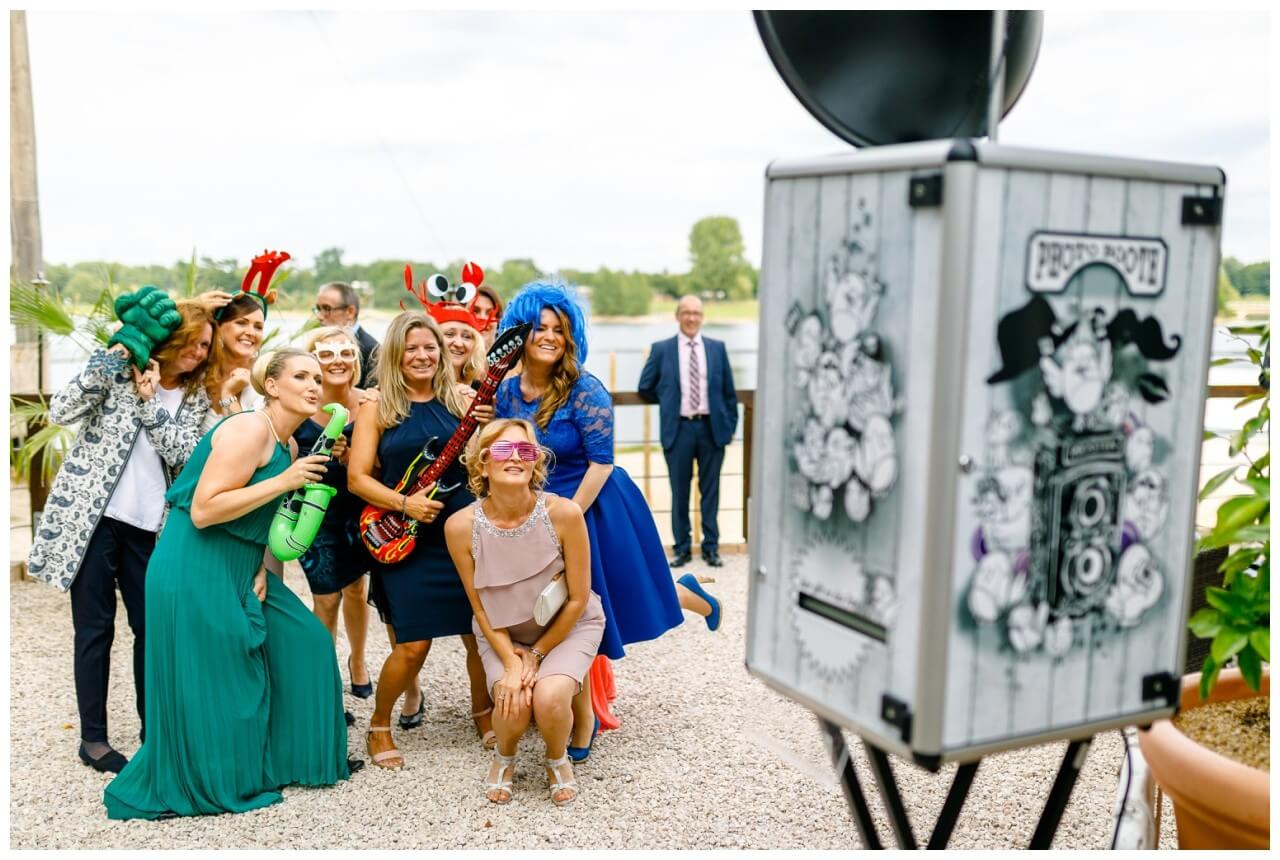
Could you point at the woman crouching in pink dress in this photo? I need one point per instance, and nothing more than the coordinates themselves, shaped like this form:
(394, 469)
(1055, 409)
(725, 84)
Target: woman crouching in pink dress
(508, 546)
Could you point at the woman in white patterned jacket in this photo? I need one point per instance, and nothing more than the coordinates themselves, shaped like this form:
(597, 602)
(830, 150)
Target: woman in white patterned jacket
(106, 506)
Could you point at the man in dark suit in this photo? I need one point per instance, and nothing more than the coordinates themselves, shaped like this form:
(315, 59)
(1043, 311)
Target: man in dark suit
(689, 377)
(338, 304)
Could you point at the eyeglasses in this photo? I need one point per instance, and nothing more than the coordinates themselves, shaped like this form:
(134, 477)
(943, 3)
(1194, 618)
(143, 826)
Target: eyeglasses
(504, 451)
(328, 309)
(326, 355)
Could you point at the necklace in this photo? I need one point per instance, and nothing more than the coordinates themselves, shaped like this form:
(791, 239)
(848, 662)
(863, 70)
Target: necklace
(271, 424)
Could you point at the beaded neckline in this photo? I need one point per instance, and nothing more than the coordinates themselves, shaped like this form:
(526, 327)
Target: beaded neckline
(539, 507)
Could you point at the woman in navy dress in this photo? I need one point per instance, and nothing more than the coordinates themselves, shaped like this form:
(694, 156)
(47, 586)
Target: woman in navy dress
(573, 414)
(421, 596)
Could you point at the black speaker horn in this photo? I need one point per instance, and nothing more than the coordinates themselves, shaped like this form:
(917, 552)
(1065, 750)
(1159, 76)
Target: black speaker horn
(896, 77)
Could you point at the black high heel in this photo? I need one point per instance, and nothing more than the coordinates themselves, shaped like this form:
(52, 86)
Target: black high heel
(360, 691)
(415, 719)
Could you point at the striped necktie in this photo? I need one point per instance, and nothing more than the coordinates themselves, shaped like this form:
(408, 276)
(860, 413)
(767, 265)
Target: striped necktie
(695, 379)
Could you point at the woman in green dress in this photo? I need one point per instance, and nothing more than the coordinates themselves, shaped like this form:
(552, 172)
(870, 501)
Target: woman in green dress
(243, 690)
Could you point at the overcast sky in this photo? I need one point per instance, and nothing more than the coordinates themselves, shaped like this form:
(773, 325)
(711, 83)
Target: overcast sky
(577, 139)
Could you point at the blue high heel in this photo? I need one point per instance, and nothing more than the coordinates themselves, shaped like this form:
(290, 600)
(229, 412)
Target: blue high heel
(581, 753)
(690, 582)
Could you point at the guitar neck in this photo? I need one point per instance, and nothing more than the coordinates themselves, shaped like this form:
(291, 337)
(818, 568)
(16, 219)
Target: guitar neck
(451, 450)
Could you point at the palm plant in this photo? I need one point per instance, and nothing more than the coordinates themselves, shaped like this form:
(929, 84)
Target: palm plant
(42, 308)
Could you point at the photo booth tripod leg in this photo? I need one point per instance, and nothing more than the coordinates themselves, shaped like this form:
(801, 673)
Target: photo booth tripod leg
(888, 786)
(1060, 793)
(956, 796)
(842, 758)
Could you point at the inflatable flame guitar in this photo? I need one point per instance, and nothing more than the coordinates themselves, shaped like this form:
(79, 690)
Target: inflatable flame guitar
(389, 535)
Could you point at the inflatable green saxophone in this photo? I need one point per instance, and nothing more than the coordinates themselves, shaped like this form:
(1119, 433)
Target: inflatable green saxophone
(298, 519)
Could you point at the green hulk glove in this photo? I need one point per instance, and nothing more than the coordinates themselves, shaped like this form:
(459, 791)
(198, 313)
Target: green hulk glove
(149, 317)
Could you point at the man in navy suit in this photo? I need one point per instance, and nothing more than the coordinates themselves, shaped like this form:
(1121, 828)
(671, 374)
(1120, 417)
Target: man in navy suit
(689, 377)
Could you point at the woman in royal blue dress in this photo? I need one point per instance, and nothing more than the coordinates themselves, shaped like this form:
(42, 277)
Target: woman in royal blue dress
(573, 414)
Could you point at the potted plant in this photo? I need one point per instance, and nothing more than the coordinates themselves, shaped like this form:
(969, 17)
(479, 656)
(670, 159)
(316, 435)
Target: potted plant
(1219, 786)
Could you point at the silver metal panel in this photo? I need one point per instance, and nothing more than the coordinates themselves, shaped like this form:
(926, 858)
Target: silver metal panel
(875, 159)
(934, 152)
(1010, 680)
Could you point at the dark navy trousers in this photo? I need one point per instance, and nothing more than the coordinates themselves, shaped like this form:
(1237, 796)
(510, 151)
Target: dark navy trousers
(117, 555)
(693, 442)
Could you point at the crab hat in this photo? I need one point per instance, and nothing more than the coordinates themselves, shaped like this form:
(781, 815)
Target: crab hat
(257, 280)
(445, 302)
(528, 304)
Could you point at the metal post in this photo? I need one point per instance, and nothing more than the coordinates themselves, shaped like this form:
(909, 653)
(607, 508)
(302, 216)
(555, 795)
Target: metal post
(996, 97)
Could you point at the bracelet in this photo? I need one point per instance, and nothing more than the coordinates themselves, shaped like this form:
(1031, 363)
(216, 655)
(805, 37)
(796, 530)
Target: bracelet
(535, 652)
(404, 501)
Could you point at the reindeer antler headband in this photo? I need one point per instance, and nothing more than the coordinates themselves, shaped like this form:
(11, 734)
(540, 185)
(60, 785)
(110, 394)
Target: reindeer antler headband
(257, 280)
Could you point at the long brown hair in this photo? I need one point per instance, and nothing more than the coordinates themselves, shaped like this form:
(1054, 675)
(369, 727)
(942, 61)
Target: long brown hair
(219, 359)
(563, 377)
(195, 316)
(393, 405)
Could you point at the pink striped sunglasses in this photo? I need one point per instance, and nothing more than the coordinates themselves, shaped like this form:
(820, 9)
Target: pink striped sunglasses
(504, 450)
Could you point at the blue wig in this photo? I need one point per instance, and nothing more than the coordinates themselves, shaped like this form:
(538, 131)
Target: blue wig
(527, 305)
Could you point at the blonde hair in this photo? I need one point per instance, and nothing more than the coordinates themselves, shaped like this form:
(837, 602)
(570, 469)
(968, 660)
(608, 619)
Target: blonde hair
(270, 365)
(563, 378)
(476, 365)
(195, 316)
(475, 459)
(393, 405)
(331, 332)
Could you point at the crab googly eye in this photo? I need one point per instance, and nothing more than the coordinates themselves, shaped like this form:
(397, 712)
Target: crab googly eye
(438, 286)
(464, 293)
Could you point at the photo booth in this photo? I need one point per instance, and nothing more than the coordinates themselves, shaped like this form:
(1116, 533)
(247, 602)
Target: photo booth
(980, 413)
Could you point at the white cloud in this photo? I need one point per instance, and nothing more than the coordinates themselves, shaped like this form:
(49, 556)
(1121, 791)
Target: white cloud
(578, 139)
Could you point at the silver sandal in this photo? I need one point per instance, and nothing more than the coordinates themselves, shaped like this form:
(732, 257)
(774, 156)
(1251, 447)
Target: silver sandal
(506, 767)
(558, 785)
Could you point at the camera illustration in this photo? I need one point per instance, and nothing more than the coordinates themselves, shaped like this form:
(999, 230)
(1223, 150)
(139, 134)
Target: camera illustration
(1076, 523)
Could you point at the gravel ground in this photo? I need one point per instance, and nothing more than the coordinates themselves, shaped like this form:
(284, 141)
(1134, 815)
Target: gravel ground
(707, 757)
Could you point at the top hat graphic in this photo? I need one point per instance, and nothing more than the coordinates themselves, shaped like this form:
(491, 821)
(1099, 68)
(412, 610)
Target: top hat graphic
(1020, 335)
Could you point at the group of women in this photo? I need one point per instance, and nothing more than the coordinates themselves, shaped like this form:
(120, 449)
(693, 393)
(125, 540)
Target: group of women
(243, 693)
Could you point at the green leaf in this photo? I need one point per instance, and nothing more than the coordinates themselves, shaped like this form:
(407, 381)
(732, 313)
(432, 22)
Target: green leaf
(1216, 481)
(1260, 641)
(1247, 329)
(1249, 398)
(1232, 605)
(1208, 676)
(1251, 534)
(1219, 362)
(1261, 486)
(1255, 356)
(1239, 511)
(1259, 464)
(1239, 560)
(1206, 623)
(1229, 642)
(1250, 668)
(1208, 434)
(40, 308)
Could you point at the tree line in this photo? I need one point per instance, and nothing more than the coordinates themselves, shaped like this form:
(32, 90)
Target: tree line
(718, 270)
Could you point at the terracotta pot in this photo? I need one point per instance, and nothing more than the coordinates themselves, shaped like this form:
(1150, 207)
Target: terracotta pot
(1218, 803)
